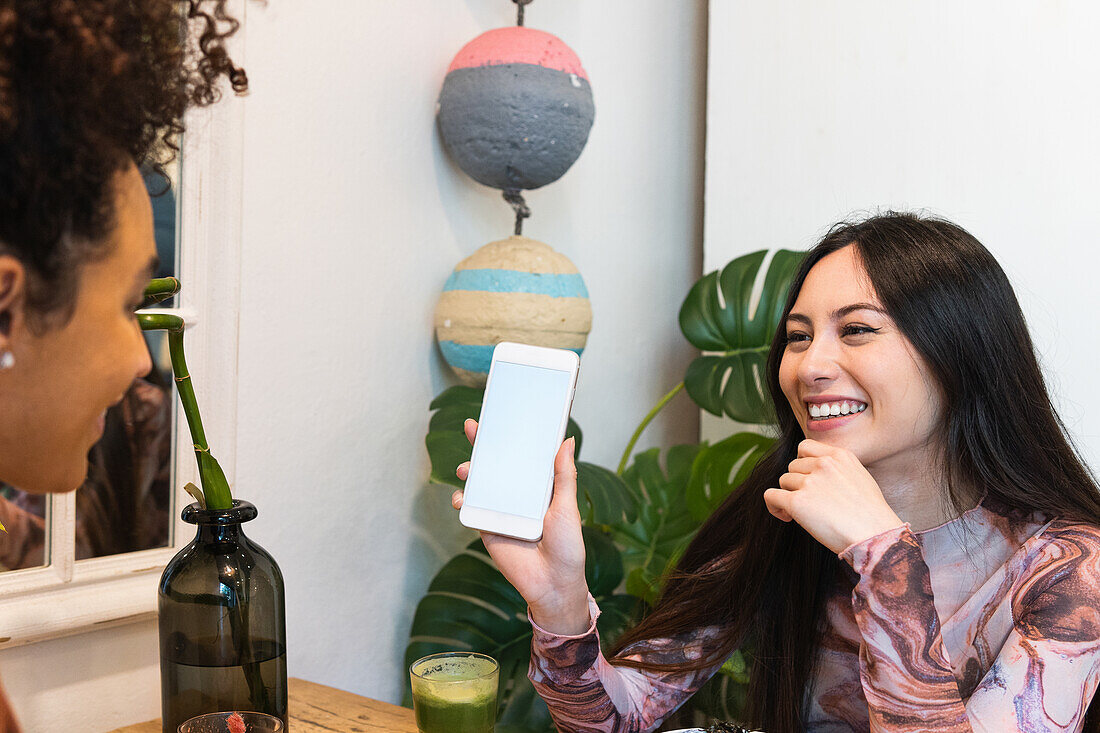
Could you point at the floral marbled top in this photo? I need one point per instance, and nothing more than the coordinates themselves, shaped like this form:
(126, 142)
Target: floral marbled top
(990, 622)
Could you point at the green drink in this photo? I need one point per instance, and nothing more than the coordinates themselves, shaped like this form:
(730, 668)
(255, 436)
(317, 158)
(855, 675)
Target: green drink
(455, 692)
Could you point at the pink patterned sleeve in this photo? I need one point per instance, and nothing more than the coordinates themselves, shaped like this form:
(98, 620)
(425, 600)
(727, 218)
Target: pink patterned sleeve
(1043, 676)
(586, 693)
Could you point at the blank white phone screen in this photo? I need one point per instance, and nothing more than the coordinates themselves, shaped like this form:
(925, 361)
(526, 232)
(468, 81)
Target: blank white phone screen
(517, 438)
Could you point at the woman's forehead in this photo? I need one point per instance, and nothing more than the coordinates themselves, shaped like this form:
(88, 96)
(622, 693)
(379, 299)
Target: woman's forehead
(135, 241)
(131, 244)
(834, 282)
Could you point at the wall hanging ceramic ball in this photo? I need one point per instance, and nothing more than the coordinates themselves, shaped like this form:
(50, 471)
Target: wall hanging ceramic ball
(516, 289)
(516, 108)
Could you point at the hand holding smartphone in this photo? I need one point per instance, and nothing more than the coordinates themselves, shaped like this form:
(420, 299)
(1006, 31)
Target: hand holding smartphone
(522, 424)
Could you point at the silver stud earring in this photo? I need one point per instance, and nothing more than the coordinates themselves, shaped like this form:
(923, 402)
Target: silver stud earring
(7, 360)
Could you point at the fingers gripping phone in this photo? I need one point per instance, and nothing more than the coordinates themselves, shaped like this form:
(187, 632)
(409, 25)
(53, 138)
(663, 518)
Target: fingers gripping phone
(522, 425)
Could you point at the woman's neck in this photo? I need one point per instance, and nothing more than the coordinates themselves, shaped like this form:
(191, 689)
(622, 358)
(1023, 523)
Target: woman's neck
(915, 493)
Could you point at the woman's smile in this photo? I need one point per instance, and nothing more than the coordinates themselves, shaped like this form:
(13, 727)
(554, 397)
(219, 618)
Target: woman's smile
(827, 412)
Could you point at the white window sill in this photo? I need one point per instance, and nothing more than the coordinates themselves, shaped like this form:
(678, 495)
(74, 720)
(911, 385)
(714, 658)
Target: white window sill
(103, 592)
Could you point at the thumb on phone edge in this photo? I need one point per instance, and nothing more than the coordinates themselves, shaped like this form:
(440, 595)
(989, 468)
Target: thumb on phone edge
(565, 479)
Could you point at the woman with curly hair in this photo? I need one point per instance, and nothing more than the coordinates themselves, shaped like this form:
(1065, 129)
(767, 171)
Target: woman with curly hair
(89, 91)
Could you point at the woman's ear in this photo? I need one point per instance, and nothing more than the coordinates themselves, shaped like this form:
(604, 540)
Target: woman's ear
(13, 299)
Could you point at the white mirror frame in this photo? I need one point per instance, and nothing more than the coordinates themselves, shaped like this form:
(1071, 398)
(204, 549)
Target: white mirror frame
(66, 597)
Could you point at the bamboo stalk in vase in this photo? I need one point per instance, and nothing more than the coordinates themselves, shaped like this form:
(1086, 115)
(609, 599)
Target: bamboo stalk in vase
(215, 494)
(215, 487)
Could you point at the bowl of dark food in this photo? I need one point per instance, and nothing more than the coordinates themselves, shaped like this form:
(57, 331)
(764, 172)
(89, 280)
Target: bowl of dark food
(232, 722)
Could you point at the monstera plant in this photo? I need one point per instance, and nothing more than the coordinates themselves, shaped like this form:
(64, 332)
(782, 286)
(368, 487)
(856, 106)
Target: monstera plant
(639, 518)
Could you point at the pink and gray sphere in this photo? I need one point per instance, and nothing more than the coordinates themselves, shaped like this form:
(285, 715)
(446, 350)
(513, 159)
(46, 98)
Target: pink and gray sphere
(516, 108)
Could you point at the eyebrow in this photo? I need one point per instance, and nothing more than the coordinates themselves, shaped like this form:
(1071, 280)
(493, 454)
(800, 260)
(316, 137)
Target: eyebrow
(839, 312)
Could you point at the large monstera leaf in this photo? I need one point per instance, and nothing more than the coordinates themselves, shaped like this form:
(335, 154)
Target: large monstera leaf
(676, 500)
(720, 468)
(469, 606)
(716, 317)
(664, 525)
(604, 498)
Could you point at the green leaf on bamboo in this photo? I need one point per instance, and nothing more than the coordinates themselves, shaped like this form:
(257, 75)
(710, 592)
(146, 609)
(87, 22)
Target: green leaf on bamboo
(215, 486)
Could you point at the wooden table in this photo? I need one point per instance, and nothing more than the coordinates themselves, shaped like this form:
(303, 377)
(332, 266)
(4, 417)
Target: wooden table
(316, 708)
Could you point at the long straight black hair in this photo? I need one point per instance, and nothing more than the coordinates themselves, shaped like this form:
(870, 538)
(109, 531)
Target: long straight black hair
(766, 582)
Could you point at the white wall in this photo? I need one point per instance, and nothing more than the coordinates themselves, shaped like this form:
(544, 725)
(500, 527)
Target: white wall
(353, 219)
(985, 112)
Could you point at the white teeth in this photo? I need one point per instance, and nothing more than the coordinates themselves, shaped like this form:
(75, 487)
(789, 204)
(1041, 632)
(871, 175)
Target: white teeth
(830, 409)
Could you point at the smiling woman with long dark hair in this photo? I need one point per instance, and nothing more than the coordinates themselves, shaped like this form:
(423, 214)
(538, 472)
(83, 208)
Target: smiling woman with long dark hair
(89, 90)
(919, 551)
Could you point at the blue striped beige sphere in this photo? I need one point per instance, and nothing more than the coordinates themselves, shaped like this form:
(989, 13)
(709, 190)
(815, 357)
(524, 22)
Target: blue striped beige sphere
(516, 289)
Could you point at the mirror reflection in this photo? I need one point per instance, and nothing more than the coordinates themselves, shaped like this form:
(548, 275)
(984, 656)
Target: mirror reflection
(23, 515)
(124, 504)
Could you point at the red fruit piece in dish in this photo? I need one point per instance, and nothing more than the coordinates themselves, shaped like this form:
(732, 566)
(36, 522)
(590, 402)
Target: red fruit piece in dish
(235, 723)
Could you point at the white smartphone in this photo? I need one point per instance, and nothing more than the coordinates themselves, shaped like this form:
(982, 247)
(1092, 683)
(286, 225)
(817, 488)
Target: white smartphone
(522, 425)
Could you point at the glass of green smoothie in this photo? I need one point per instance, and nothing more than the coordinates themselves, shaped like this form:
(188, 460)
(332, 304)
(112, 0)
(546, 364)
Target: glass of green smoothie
(455, 692)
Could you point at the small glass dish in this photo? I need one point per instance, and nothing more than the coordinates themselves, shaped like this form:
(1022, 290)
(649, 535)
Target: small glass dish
(232, 722)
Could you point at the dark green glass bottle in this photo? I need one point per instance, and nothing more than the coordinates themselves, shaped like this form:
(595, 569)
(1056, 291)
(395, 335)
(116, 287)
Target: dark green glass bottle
(222, 622)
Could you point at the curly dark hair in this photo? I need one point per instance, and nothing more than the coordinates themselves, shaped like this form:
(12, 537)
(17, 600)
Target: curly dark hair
(86, 87)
